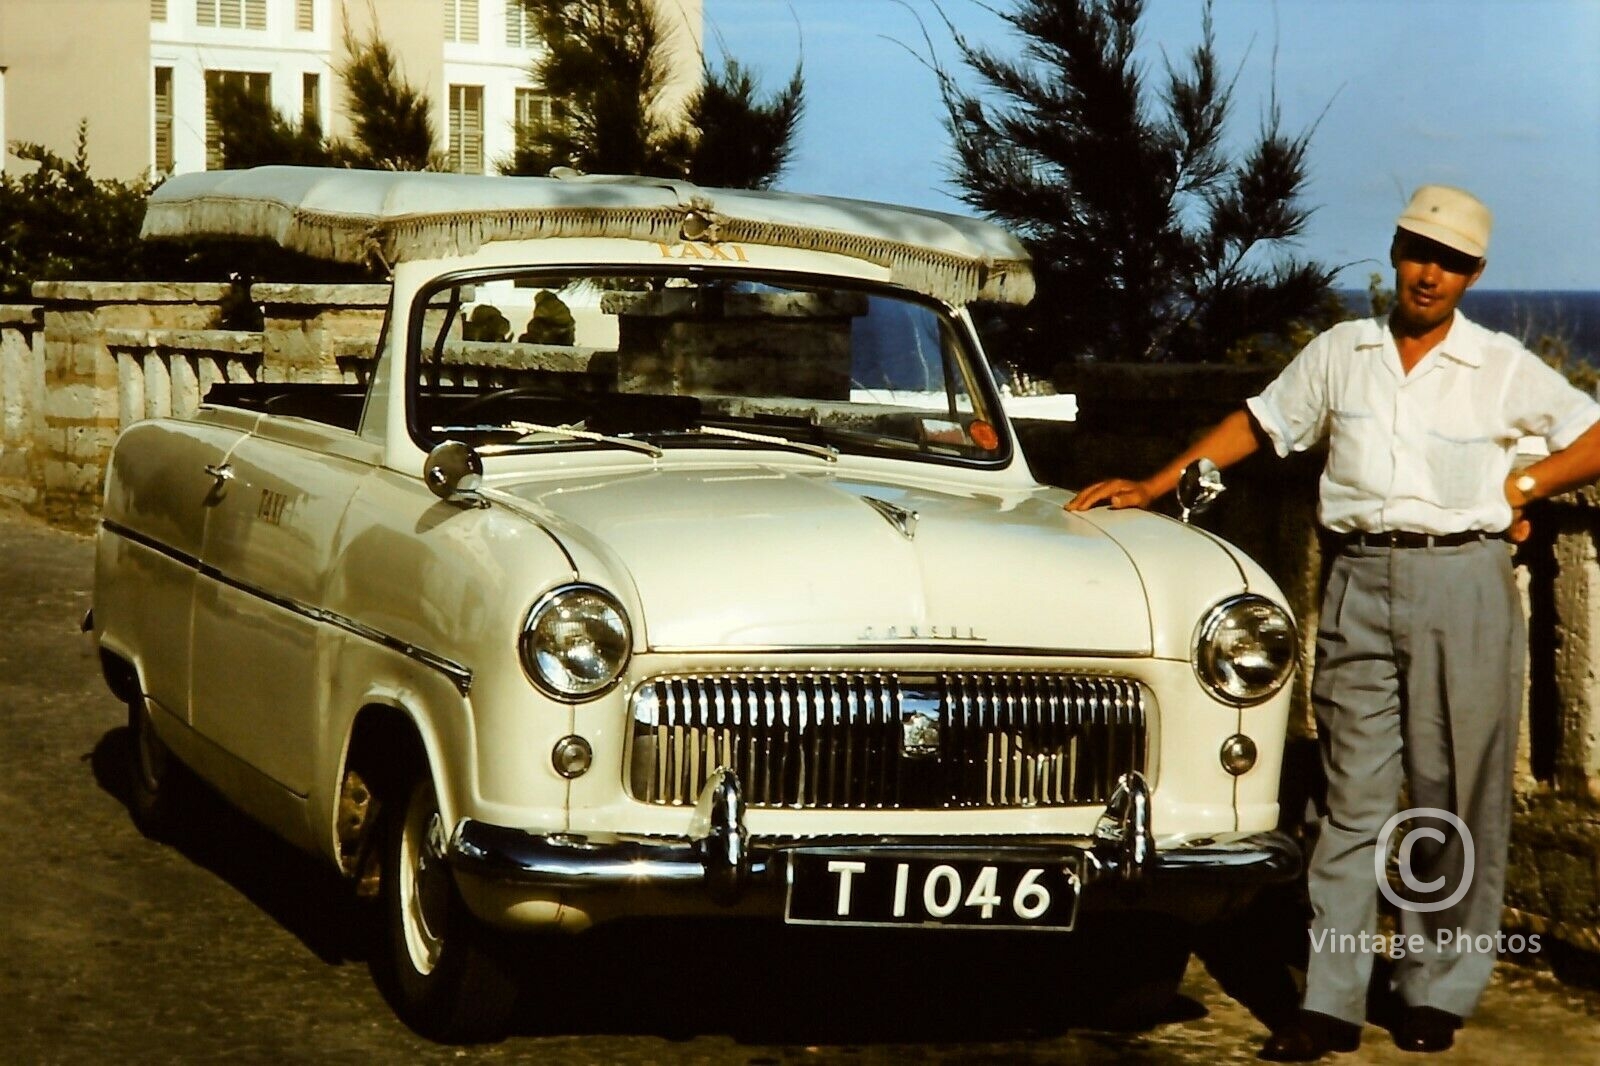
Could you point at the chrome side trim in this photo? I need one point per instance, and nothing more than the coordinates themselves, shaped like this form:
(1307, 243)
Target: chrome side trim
(459, 675)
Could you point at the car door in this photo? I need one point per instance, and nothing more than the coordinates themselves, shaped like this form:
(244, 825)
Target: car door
(159, 491)
(261, 641)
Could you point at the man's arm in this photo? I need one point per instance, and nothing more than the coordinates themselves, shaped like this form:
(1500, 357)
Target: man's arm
(1571, 467)
(1230, 440)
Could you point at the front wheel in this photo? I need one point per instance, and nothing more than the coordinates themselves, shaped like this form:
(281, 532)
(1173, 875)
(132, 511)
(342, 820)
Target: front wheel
(154, 775)
(444, 980)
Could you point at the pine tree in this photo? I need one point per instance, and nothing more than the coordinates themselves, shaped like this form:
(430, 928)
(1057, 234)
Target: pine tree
(1151, 241)
(605, 65)
(392, 120)
(253, 133)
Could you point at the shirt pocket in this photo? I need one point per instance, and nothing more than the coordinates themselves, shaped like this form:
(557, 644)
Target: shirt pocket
(1465, 468)
(1351, 447)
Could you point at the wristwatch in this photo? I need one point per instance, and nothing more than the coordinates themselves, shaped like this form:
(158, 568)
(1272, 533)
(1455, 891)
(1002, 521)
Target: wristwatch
(1525, 484)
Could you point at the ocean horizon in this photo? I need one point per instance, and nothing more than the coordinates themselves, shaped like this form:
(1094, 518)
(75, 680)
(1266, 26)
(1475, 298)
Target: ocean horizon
(1572, 316)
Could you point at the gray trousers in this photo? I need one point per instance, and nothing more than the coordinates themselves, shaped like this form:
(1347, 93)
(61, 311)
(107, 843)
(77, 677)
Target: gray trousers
(1420, 659)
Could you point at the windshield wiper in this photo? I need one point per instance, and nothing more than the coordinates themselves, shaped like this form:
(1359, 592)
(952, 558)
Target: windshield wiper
(824, 451)
(528, 429)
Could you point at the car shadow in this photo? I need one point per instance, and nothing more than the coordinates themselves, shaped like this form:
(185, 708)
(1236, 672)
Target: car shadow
(762, 983)
(290, 886)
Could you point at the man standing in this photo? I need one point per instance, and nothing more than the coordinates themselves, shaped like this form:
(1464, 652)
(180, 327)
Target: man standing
(1420, 643)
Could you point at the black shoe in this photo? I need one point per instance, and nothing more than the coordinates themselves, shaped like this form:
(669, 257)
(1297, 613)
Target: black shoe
(1308, 1036)
(1426, 1029)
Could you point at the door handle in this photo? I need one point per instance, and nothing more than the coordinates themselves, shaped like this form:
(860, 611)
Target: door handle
(223, 473)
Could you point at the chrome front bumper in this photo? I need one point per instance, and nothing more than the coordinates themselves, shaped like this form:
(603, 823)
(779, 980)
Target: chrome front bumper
(1124, 869)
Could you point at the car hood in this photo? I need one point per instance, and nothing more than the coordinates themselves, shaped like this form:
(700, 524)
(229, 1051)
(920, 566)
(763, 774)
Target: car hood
(768, 557)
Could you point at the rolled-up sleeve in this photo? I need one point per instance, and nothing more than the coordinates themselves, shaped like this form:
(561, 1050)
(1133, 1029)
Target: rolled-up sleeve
(1543, 403)
(1293, 410)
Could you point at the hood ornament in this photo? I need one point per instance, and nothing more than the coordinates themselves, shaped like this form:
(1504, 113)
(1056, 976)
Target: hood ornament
(898, 517)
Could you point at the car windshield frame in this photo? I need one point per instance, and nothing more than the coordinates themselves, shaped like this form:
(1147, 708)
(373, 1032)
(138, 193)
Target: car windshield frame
(959, 356)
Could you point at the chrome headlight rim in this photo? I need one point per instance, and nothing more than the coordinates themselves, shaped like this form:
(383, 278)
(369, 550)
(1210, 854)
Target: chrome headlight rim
(530, 663)
(1203, 656)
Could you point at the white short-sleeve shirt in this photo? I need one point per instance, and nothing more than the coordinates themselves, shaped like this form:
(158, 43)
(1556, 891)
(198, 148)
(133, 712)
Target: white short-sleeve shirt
(1427, 451)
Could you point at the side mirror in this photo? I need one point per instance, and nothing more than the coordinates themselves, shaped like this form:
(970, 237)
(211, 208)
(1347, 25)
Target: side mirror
(1198, 488)
(454, 473)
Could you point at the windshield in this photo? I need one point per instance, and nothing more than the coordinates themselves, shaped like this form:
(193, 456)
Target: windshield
(697, 358)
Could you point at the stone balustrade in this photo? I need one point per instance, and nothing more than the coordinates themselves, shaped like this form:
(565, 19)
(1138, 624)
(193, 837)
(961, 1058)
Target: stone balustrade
(88, 359)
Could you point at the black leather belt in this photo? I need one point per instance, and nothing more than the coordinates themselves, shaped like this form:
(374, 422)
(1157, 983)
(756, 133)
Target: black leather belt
(1405, 538)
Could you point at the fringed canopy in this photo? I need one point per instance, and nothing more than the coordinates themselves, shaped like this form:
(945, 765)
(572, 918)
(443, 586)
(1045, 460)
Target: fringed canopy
(352, 215)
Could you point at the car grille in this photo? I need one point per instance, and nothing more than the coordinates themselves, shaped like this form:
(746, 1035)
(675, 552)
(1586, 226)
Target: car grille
(885, 740)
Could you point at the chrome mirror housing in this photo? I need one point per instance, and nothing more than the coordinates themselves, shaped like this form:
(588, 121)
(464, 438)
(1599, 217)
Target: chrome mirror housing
(454, 473)
(1198, 488)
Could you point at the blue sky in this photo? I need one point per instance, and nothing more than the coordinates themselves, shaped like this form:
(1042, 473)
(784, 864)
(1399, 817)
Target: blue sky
(1498, 96)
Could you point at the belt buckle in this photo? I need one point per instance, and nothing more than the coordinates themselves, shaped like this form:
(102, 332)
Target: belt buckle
(1392, 538)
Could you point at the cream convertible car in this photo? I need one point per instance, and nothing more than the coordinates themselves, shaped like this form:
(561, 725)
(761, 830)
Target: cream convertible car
(676, 559)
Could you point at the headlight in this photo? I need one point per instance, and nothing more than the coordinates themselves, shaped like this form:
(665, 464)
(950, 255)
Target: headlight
(1245, 649)
(575, 642)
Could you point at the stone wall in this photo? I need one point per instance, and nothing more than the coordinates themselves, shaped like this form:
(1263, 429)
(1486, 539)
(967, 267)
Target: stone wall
(91, 357)
(88, 359)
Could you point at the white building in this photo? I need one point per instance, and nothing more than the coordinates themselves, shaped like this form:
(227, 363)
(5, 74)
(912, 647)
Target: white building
(139, 70)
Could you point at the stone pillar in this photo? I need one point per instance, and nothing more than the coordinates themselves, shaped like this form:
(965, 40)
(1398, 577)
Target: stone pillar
(792, 344)
(21, 400)
(1577, 656)
(325, 333)
(82, 402)
(164, 372)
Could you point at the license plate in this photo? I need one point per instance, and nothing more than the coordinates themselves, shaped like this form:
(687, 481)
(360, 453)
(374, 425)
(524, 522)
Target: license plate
(922, 889)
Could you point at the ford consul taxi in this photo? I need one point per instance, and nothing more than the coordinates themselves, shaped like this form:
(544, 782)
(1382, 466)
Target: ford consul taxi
(675, 558)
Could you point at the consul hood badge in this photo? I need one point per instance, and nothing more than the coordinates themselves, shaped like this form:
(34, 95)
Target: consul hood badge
(898, 517)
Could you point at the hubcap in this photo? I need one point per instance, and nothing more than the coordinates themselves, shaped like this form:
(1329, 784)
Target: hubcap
(424, 882)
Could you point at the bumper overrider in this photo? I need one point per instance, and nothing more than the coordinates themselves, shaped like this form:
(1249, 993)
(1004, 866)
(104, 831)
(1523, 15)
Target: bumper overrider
(1118, 867)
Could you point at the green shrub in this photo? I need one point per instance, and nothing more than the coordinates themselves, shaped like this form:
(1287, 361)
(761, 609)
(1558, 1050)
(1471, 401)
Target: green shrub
(58, 222)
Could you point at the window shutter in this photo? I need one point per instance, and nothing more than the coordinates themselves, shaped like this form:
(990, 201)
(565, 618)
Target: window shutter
(158, 10)
(466, 128)
(257, 84)
(163, 120)
(461, 21)
(255, 14)
(311, 100)
(305, 14)
(518, 31)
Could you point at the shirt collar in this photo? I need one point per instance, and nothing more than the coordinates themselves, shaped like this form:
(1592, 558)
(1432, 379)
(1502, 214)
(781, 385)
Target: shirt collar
(1461, 344)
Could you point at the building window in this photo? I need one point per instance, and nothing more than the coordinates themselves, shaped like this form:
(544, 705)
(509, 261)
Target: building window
(305, 14)
(258, 85)
(534, 108)
(461, 21)
(163, 120)
(311, 101)
(519, 25)
(231, 14)
(158, 10)
(466, 129)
